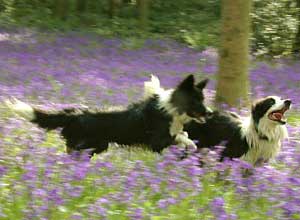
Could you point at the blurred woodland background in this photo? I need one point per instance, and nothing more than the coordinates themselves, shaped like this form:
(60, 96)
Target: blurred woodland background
(275, 23)
(265, 28)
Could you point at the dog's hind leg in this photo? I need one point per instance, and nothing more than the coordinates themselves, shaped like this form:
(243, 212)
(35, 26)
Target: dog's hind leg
(100, 147)
(93, 146)
(158, 143)
(77, 147)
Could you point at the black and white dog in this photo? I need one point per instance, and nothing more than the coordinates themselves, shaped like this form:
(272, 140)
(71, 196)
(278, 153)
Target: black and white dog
(156, 122)
(255, 139)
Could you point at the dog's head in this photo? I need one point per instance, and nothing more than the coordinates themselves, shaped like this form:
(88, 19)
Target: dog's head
(188, 98)
(270, 109)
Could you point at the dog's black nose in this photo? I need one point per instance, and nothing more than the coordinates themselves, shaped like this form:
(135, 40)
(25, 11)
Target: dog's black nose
(287, 102)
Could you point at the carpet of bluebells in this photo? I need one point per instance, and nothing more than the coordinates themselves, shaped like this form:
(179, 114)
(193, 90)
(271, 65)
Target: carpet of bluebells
(39, 181)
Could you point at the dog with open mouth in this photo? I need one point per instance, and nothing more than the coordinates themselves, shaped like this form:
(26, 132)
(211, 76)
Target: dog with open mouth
(156, 122)
(255, 139)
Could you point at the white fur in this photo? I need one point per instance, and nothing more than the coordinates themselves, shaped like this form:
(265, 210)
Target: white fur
(183, 140)
(153, 87)
(176, 127)
(259, 148)
(21, 108)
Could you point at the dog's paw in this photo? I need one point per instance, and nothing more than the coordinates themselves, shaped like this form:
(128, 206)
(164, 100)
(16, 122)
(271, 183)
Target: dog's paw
(183, 140)
(193, 146)
(185, 134)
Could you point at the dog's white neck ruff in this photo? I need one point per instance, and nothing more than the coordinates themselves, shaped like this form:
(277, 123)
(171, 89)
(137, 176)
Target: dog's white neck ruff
(153, 87)
(264, 140)
(178, 120)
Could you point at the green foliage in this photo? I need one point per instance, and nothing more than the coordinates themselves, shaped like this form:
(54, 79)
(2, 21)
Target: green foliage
(274, 26)
(193, 22)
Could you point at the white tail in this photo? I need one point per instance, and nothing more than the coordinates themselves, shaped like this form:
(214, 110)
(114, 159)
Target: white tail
(152, 87)
(21, 108)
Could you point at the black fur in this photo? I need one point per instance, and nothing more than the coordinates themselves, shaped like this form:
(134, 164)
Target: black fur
(189, 98)
(226, 127)
(260, 108)
(219, 127)
(145, 122)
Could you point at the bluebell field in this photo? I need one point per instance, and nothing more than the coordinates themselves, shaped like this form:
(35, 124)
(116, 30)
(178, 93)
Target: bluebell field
(39, 181)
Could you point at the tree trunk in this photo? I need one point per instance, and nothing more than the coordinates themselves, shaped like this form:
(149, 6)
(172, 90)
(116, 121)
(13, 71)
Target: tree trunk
(61, 9)
(2, 6)
(114, 7)
(296, 46)
(232, 80)
(81, 5)
(143, 9)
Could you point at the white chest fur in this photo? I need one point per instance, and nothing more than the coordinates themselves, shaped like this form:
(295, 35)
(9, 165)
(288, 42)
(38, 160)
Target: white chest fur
(264, 149)
(176, 130)
(178, 120)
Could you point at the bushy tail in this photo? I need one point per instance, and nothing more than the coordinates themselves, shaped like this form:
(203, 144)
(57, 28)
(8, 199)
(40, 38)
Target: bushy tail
(152, 87)
(45, 119)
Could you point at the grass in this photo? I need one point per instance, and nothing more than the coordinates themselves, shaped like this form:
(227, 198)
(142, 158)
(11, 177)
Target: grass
(39, 181)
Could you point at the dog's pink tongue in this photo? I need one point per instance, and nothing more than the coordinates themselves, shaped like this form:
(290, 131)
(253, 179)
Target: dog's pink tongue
(277, 115)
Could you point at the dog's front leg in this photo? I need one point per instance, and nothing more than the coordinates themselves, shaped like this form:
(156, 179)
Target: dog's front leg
(183, 140)
(181, 137)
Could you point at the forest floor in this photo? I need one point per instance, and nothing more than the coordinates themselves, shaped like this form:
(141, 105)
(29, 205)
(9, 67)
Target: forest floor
(39, 181)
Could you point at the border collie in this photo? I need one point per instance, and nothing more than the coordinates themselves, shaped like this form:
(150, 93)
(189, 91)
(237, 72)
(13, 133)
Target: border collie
(156, 122)
(255, 139)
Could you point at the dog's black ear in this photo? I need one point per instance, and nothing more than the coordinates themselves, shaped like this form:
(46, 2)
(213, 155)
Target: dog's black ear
(260, 107)
(201, 85)
(187, 83)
